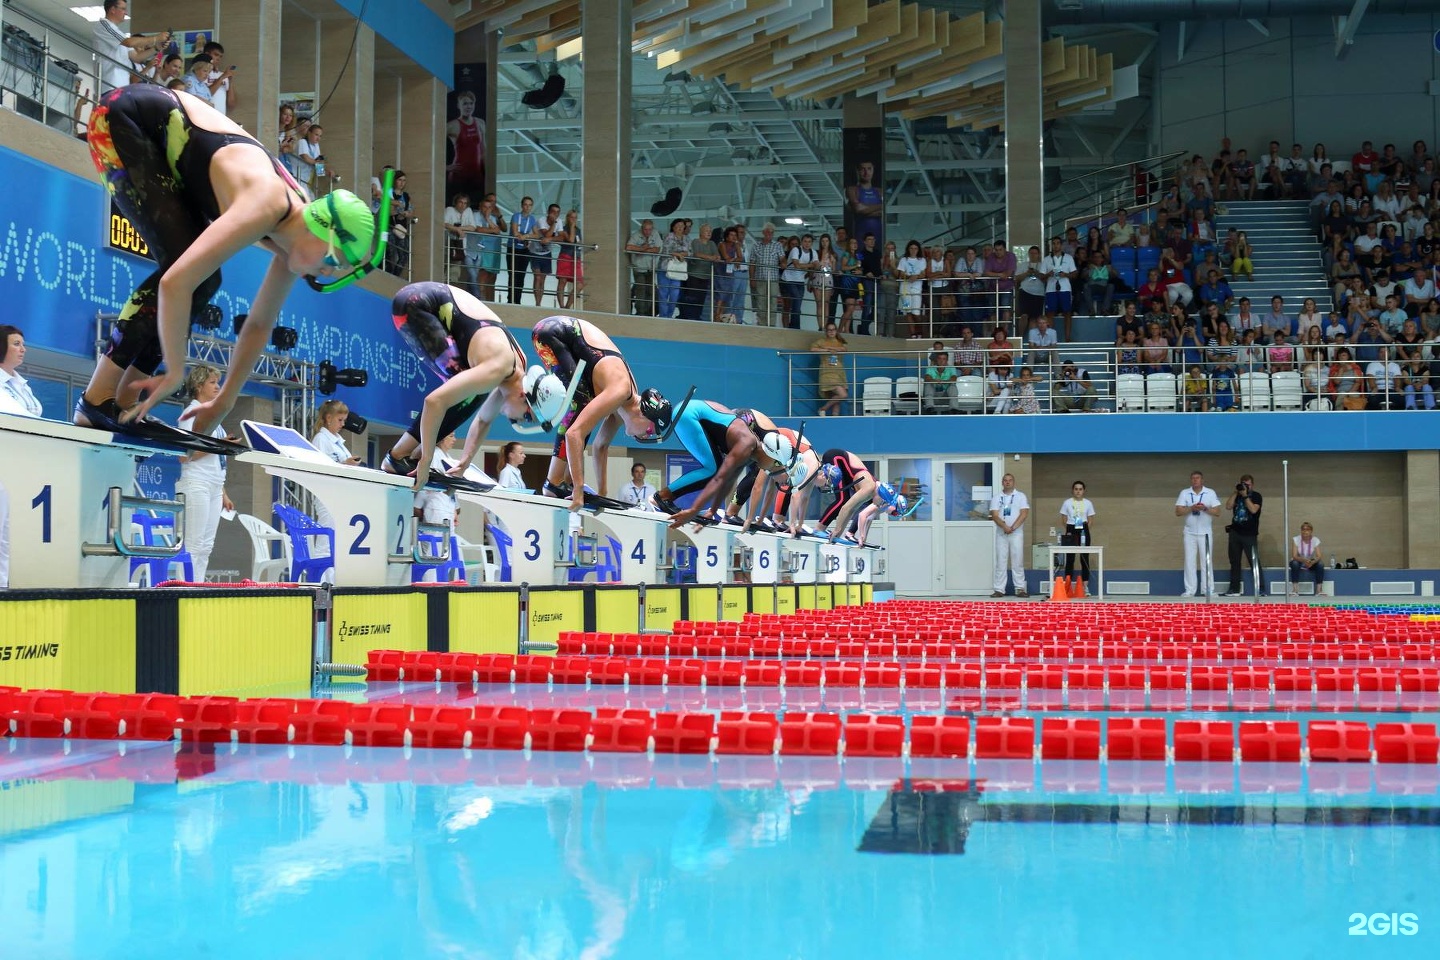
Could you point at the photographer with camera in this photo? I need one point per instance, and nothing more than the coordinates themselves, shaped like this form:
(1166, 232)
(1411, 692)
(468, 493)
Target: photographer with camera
(1244, 530)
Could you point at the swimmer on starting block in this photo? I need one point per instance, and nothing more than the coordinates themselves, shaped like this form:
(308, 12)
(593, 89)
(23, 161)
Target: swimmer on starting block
(473, 353)
(605, 397)
(199, 190)
(799, 476)
(886, 500)
(853, 484)
(723, 440)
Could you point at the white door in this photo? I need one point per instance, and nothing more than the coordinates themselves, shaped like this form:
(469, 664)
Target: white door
(947, 546)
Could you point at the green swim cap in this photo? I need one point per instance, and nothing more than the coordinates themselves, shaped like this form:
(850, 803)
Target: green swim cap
(348, 217)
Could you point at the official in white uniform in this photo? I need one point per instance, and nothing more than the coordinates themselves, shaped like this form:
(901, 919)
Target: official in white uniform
(15, 398)
(438, 506)
(329, 420)
(512, 455)
(202, 476)
(1009, 510)
(1199, 506)
(637, 492)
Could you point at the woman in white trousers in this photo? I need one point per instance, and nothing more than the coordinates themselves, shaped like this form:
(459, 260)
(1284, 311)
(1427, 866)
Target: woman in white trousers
(202, 476)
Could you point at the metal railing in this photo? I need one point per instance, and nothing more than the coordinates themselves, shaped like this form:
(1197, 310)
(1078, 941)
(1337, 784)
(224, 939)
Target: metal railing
(490, 267)
(1009, 376)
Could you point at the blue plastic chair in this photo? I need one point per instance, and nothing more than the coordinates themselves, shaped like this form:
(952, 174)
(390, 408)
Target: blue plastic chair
(157, 530)
(607, 563)
(300, 528)
(503, 543)
(446, 572)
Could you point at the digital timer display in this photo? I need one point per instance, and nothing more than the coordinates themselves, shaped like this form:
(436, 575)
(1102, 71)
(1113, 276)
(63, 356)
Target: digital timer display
(120, 234)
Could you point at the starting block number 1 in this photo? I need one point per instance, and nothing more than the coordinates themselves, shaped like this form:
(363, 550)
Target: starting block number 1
(42, 503)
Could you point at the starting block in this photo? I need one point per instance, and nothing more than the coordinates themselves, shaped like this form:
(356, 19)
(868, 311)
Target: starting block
(70, 489)
(800, 559)
(714, 545)
(835, 562)
(376, 510)
(760, 555)
(642, 535)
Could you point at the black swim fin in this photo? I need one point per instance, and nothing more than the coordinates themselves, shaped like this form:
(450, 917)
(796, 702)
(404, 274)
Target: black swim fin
(106, 416)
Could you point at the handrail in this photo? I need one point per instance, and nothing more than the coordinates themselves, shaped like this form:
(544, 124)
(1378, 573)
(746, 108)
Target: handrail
(1159, 160)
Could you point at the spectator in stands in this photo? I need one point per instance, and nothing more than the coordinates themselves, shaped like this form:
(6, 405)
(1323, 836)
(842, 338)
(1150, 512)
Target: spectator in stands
(1429, 319)
(730, 287)
(174, 69)
(1190, 346)
(1095, 243)
(1127, 321)
(1058, 272)
(1281, 353)
(1390, 166)
(1155, 351)
(699, 298)
(1197, 390)
(765, 274)
(1276, 319)
(974, 298)
(1348, 386)
(798, 260)
(119, 51)
(1144, 236)
(1022, 392)
(940, 379)
(1342, 273)
(1297, 174)
(674, 270)
(1364, 214)
(197, 82)
(1336, 328)
(1406, 260)
(457, 221)
(1369, 240)
(1172, 275)
(1386, 381)
(1152, 289)
(1385, 203)
(834, 382)
(1428, 243)
(1272, 168)
(1127, 357)
(741, 277)
(1363, 165)
(969, 354)
(1221, 173)
(222, 97)
(1392, 318)
(1175, 322)
(1249, 353)
(1222, 386)
(1030, 292)
(1042, 341)
(1221, 347)
(1315, 374)
(1308, 319)
(542, 250)
(1244, 318)
(1242, 262)
(402, 221)
(1242, 175)
(1202, 201)
(1121, 232)
(1073, 392)
(999, 349)
(488, 226)
(997, 386)
(848, 283)
(1000, 269)
(1305, 558)
(1321, 208)
(570, 266)
(1097, 293)
(644, 250)
(1419, 290)
(1216, 290)
(524, 227)
(1415, 376)
(886, 310)
(1374, 265)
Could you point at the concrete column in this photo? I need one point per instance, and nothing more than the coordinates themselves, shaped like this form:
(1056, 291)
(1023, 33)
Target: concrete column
(1024, 132)
(348, 141)
(251, 34)
(1422, 509)
(422, 157)
(605, 170)
(299, 69)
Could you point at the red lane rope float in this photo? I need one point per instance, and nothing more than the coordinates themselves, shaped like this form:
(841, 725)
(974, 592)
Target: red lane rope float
(57, 714)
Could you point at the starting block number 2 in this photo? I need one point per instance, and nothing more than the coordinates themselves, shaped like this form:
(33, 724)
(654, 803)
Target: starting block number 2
(358, 547)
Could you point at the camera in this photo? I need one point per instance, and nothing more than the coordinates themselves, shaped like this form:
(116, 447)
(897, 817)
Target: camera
(1239, 488)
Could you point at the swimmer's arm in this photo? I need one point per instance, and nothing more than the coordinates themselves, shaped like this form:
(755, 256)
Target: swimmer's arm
(867, 516)
(719, 483)
(587, 420)
(601, 451)
(759, 495)
(468, 383)
(799, 503)
(479, 427)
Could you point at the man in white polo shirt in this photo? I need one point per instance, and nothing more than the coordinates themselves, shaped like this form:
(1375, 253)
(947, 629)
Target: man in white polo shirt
(1008, 510)
(1198, 504)
(117, 49)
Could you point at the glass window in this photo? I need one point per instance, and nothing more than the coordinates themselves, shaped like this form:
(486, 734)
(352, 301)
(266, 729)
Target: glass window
(968, 488)
(911, 477)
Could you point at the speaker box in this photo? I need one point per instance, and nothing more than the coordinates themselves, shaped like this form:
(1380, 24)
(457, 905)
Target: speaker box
(545, 97)
(667, 206)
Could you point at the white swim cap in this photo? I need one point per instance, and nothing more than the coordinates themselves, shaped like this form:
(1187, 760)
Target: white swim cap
(778, 447)
(545, 393)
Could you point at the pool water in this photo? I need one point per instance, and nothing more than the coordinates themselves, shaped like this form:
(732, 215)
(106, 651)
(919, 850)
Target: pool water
(164, 850)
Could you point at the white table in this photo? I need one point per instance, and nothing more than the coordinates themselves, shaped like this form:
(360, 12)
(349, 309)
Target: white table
(1060, 549)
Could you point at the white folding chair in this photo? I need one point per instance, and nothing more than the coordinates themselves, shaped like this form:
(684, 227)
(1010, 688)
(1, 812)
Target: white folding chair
(970, 394)
(876, 396)
(1286, 391)
(907, 395)
(1160, 391)
(264, 567)
(1319, 403)
(1254, 391)
(1130, 392)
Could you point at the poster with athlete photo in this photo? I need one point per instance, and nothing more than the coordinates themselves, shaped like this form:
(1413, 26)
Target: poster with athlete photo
(864, 156)
(465, 109)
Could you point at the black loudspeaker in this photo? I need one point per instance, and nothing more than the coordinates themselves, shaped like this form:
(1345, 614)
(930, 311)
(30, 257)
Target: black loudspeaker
(545, 97)
(671, 203)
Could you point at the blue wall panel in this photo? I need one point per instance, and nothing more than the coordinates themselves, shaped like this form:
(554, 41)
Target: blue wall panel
(414, 29)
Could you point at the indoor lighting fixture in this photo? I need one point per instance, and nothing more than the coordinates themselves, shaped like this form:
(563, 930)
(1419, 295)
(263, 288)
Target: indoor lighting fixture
(795, 221)
(92, 14)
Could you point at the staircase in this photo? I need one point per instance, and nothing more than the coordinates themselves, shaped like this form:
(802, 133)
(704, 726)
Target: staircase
(1285, 252)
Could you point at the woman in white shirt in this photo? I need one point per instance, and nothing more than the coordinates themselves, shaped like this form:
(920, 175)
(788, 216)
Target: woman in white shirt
(1386, 203)
(202, 476)
(307, 155)
(16, 398)
(1077, 512)
(1305, 558)
(911, 272)
(512, 455)
(329, 420)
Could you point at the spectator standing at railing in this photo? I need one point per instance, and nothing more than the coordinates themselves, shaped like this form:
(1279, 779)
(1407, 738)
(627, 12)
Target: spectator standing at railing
(674, 270)
(822, 278)
(1000, 268)
(644, 250)
(834, 383)
(120, 52)
(458, 221)
(524, 227)
(848, 284)
(799, 259)
(402, 222)
(1058, 272)
(698, 299)
(765, 277)
(741, 276)
(487, 224)
(888, 301)
(870, 282)
(221, 94)
(911, 273)
(1030, 290)
(937, 287)
(970, 287)
(542, 250)
(729, 287)
(197, 82)
(308, 157)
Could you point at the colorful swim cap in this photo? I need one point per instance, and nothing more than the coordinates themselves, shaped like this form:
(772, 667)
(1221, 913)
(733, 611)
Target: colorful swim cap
(830, 474)
(899, 506)
(887, 494)
(655, 408)
(349, 218)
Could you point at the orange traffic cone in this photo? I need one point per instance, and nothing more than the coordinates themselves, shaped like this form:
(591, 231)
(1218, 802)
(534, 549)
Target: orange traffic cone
(1077, 592)
(1059, 592)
